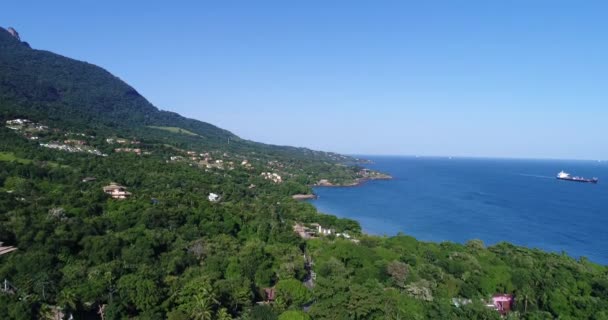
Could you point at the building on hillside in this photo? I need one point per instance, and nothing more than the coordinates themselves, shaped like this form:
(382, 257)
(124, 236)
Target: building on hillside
(89, 179)
(270, 294)
(502, 303)
(272, 177)
(75, 142)
(343, 235)
(303, 232)
(137, 151)
(322, 231)
(458, 302)
(213, 197)
(116, 191)
(7, 249)
(17, 122)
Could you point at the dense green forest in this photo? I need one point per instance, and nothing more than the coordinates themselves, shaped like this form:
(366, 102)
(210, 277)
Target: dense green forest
(170, 251)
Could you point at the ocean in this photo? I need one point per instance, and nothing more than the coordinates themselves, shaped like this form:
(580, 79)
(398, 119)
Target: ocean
(495, 200)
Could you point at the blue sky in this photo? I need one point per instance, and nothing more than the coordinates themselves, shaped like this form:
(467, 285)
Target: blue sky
(462, 78)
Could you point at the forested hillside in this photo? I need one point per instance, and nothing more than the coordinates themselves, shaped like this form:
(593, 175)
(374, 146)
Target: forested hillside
(118, 210)
(42, 85)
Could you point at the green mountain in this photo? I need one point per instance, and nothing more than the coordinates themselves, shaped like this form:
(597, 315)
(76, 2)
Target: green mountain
(46, 85)
(110, 208)
(37, 84)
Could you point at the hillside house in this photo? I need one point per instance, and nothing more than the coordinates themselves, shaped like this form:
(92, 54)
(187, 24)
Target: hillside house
(75, 142)
(343, 235)
(19, 122)
(303, 232)
(502, 303)
(272, 177)
(322, 231)
(7, 249)
(116, 191)
(213, 197)
(459, 302)
(270, 294)
(137, 151)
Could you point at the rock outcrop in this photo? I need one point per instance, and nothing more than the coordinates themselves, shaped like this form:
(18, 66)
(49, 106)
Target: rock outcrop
(13, 33)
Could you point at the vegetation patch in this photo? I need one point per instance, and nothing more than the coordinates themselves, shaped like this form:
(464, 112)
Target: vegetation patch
(10, 157)
(175, 130)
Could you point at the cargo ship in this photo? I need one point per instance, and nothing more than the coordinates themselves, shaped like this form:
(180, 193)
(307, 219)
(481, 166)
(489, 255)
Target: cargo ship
(566, 176)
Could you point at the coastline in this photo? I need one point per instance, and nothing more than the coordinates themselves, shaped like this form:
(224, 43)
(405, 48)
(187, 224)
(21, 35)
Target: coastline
(451, 207)
(304, 196)
(358, 182)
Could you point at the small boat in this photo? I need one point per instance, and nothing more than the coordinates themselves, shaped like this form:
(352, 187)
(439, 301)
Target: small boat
(566, 176)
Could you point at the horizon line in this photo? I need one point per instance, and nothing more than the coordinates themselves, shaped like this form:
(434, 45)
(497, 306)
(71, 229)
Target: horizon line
(470, 157)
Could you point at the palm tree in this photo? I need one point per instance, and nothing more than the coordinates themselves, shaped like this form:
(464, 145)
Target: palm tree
(48, 312)
(526, 294)
(204, 304)
(222, 314)
(67, 299)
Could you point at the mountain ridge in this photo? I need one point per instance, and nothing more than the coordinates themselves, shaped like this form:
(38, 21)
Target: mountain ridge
(40, 84)
(66, 86)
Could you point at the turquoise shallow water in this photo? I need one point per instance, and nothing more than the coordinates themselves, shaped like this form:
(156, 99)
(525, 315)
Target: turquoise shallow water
(519, 201)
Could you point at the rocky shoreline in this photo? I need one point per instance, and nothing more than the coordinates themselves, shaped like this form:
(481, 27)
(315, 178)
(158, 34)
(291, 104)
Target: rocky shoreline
(356, 183)
(304, 196)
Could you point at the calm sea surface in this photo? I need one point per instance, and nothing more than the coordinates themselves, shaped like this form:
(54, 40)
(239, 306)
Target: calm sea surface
(519, 201)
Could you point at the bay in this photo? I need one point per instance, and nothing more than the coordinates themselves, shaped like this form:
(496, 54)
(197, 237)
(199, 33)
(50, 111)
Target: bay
(458, 199)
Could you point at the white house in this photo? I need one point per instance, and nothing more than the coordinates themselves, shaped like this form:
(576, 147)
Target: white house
(213, 197)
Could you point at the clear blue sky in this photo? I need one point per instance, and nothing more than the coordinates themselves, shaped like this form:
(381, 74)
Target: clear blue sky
(474, 78)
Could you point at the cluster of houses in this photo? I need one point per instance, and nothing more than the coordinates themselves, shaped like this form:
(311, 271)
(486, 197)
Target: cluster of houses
(75, 142)
(30, 130)
(117, 191)
(272, 177)
(245, 163)
(137, 151)
(121, 141)
(25, 124)
(275, 164)
(205, 160)
(26, 127)
(73, 148)
(67, 134)
(315, 230)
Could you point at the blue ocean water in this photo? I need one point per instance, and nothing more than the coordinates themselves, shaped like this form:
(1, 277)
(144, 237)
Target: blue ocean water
(518, 201)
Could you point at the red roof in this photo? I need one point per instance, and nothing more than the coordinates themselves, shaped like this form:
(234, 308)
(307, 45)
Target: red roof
(503, 302)
(270, 294)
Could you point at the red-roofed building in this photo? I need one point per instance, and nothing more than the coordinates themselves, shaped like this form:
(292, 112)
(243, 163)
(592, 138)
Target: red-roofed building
(270, 294)
(503, 302)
